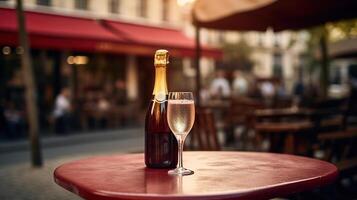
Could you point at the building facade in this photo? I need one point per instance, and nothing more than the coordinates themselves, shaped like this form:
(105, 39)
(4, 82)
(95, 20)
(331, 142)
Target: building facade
(274, 54)
(90, 74)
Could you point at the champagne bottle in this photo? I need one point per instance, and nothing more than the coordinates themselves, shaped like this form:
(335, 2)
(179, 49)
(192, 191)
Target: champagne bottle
(160, 142)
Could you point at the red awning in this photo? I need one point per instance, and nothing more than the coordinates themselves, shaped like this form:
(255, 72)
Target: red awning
(157, 37)
(55, 31)
(52, 31)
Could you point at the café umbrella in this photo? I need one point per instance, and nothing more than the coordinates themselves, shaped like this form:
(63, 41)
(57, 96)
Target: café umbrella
(258, 15)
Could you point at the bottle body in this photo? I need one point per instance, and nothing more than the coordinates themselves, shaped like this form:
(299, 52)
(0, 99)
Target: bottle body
(160, 143)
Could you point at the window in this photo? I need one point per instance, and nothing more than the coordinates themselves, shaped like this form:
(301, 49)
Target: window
(165, 10)
(277, 65)
(221, 37)
(277, 39)
(114, 6)
(44, 2)
(81, 4)
(142, 8)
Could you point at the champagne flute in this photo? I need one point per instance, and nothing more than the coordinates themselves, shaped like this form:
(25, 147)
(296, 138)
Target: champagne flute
(180, 117)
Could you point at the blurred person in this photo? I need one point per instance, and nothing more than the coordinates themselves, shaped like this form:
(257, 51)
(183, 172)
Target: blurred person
(240, 85)
(103, 109)
(220, 86)
(62, 111)
(298, 93)
(267, 90)
(103, 103)
(14, 121)
(299, 89)
(282, 98)
(254, 89)
(281, 91)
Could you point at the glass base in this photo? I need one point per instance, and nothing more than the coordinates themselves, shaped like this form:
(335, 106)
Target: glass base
(180, 171)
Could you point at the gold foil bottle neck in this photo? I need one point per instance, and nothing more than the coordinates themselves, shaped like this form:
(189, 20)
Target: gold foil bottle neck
(161, 57)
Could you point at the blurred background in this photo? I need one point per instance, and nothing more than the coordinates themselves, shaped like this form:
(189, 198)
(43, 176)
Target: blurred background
(93, 75)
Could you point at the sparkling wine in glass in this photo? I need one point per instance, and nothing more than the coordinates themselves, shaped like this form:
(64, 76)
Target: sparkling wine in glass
(180, 117)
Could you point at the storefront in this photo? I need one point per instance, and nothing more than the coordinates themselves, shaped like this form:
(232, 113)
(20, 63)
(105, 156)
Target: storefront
(101, 61)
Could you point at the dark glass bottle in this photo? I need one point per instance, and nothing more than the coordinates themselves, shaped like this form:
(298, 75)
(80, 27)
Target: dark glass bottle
(160, 142)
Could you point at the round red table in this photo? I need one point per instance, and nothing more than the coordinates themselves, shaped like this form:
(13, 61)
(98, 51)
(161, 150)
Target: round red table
(218, 175)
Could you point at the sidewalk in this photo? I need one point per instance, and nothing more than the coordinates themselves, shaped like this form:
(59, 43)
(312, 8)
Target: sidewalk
(71, 139)
(18, 180)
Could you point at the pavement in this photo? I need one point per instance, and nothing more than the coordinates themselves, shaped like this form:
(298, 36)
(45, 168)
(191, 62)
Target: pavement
(20, 181)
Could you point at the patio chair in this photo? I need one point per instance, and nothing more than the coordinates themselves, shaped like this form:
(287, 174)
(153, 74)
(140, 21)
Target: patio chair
(204, 135)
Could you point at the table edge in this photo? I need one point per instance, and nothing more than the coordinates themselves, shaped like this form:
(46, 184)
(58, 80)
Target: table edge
(298, 186)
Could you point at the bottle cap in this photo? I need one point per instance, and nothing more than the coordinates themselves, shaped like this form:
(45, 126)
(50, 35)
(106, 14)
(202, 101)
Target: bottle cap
(161, 57)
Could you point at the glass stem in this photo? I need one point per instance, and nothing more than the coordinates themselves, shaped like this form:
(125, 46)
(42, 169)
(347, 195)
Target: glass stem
(180, 140)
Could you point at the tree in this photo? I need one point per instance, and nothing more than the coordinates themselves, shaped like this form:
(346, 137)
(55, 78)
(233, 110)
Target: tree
(320, 36)
(342, 30)
(30, 89)
(238, 55)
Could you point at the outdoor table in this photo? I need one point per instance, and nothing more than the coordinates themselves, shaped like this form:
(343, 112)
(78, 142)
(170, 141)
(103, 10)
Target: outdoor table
(283, 112)
(286, 130)
(218, 175)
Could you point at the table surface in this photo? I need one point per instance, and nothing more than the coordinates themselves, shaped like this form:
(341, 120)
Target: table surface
(218, 175)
